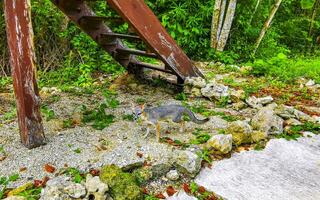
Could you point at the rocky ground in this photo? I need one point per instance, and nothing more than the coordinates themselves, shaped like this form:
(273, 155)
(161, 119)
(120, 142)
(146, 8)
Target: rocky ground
(244, 115)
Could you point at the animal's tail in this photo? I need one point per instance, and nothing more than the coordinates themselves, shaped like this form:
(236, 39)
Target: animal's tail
(194, 119)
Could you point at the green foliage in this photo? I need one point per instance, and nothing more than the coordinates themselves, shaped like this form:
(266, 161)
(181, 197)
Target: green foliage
(307, 4)
(286, 69)
(48, 113)
(201, 137)
(4, 182)
(181, 96)
(76, 175)
(98, 117)
(295, 132)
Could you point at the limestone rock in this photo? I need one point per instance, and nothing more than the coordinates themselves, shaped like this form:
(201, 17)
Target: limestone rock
(257, 136)
(75, 190)
(122, 185)
(288, 112)
(239, 105)
(221, 143)
(240, 131)
(197, 82)
(293, 122)
(237, 95)
(310, 83)
(259, 102)
(215, 91)
(196, 92)
(54, 189)
(267, 121)
(96, 188)
(173, 175)
(187, 162)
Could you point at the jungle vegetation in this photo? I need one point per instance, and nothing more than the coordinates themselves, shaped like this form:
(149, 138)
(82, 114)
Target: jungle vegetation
(279, 38)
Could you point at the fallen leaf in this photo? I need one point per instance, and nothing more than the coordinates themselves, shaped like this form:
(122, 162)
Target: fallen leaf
(94, 172)
(186, 188)
(160, 196)
(49, 168)
(37, 183)
(145, 190)
(140, 155)
(23, 169)
(201, 189)
(171, 191)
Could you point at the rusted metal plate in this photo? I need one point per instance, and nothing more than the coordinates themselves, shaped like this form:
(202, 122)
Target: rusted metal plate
(22, 61)
(149, 28)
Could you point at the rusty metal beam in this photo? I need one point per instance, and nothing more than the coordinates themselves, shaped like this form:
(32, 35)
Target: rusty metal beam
(22, 61)
(149, 28)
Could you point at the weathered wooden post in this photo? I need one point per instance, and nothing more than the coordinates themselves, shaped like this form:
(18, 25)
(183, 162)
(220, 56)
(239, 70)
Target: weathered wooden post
(22, 61)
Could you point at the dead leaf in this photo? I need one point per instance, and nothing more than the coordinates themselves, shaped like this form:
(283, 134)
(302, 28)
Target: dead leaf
(201, 189)
(23, 169)
(171, 191)
(94, 172)
(49, 168)
(160, 196)
(186, 188)
(140, 155)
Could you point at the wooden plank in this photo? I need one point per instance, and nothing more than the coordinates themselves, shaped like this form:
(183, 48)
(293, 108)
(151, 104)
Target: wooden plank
(22, 60)
(149, 28)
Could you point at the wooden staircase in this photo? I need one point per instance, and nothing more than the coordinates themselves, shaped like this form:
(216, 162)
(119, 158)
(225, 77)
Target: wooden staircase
(148, 30)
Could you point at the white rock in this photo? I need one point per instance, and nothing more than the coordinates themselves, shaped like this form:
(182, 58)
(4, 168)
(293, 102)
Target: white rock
(215, 91)
(293, 122)
(173, 175)
(75, 190)
(221, 143)
(241, 132)
(288, 112)
(237, 95)
(258, 102)
(310, 83)
(267, 121)
(187, 162)
(96, 188)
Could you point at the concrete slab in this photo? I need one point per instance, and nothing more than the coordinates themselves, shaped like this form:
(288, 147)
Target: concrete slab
(286, 170)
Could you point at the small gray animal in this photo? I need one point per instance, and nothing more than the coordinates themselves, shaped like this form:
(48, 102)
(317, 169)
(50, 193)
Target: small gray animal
(152, 116)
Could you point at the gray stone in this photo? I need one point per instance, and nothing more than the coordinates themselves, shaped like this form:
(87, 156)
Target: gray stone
(216, 122)
(259, 102)
(75, 190)
(54, 189)
(221, 143)
(215, 91)
(187, 162)
(287, 170)
(310, 83)
(267, 121)
(237, 95)
(197, 82)
(96, 188)
(239, 105)
(240, 131)
(173, 175)
(288, 112)
(196, 92)
(293, 122)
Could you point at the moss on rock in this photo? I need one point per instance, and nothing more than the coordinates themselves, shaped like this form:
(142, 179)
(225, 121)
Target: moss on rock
(123, 186)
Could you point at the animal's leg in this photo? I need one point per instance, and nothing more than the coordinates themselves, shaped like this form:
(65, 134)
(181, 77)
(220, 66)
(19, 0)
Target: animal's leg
(182, 126)
(158, 129)
(147, 133)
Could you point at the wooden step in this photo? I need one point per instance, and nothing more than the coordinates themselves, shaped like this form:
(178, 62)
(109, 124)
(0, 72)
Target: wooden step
(111, 35)
(136, 52)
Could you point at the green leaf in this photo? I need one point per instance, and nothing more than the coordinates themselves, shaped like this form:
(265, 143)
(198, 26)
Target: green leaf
(307, 4)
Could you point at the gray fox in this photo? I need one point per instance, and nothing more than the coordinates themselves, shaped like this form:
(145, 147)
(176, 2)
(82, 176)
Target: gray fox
(174, 112)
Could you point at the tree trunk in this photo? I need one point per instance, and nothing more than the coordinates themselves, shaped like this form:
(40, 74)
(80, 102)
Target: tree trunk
(222, 17)
(227, 25)
(22, 61)
(215, 23)
(314, 14)
(267, 25)
(255, 10)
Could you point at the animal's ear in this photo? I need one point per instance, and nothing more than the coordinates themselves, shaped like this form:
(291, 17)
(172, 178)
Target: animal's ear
(143, 106)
